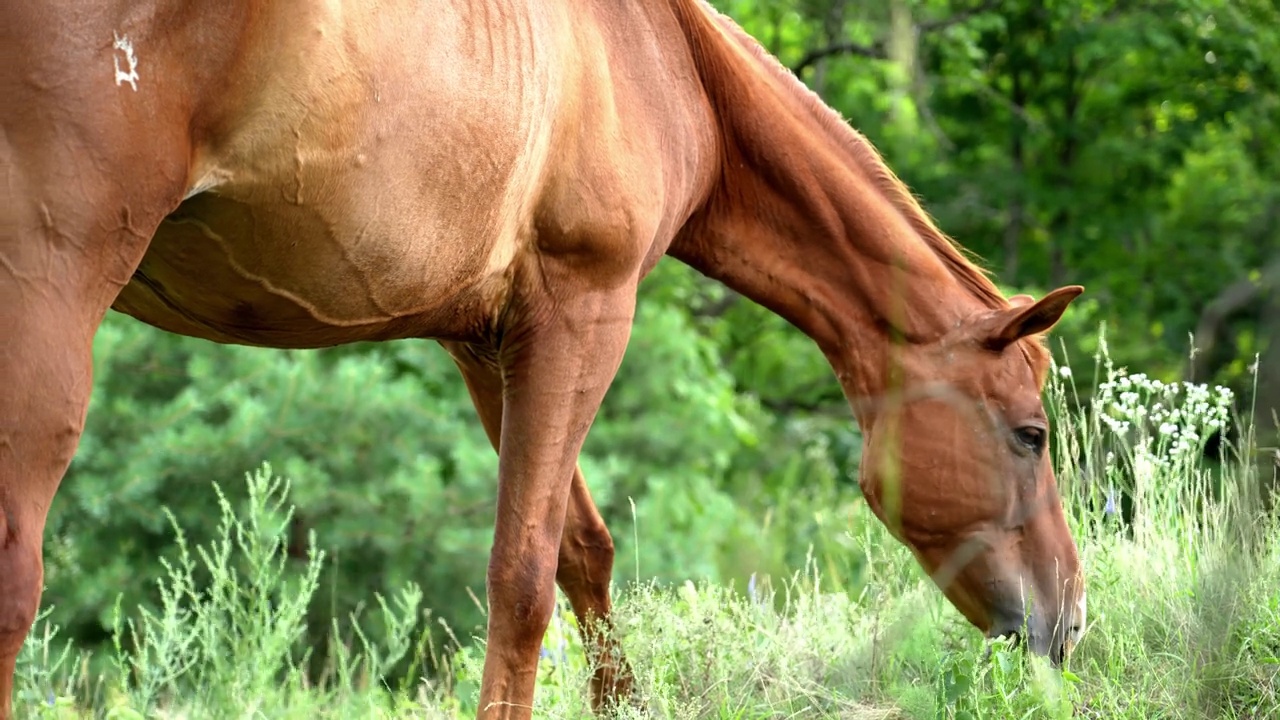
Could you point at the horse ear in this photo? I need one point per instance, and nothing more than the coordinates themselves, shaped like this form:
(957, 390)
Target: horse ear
(1027, 318)
(1021, 300)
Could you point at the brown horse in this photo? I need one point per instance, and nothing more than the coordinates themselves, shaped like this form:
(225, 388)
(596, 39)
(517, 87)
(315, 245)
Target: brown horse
(500, 176)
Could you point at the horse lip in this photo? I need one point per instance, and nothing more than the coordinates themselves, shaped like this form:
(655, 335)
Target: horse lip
(1025, 632)
(1014, 635)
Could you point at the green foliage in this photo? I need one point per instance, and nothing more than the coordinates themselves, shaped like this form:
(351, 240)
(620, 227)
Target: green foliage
(394, 468)
(228, 635)
(1113, 144)
(1004, 683)
(395, 473)
(1125, 146)
(1183, 624)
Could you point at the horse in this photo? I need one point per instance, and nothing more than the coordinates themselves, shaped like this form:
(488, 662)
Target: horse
(499, 177)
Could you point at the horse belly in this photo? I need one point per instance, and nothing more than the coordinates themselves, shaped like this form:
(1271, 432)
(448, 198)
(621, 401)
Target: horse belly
(288, 276)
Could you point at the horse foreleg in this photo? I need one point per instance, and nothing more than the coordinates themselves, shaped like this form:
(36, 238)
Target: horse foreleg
(584, 573)
(584, 569)
(556, 362)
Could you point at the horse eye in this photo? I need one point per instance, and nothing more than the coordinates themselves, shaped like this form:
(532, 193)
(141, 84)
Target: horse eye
(1031, 437)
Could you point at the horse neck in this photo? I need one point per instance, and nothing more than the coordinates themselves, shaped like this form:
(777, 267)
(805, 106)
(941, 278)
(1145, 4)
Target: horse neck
(807, 220)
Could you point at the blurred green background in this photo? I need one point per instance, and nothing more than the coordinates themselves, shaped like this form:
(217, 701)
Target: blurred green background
(1127, 146)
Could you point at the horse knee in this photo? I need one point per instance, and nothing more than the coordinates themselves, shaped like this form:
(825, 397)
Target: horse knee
(44, 444)
(586, 556)
(21, 576)
(522, 599)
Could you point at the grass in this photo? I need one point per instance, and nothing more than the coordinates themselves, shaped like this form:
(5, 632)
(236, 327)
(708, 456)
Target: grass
(1184, 595)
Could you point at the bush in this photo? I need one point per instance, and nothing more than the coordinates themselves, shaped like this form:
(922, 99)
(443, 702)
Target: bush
(1185, 622)
(394, 474)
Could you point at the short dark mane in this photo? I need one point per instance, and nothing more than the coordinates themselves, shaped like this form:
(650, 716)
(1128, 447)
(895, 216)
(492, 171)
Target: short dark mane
(867, 158)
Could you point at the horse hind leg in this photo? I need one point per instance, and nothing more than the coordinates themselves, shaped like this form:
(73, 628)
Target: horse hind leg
(584, 568)
(21, 575)
(66, 249)
(584, 573)
(45, 368)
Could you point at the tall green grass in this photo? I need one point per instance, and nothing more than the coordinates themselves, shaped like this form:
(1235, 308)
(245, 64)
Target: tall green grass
(1183, 584)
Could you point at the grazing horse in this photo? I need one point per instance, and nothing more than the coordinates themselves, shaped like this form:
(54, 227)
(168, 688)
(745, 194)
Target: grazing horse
(499, 176)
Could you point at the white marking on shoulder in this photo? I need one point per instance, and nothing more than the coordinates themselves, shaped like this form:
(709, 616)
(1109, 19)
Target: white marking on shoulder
(122, 44)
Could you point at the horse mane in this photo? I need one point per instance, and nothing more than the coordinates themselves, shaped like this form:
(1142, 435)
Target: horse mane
(959, 261)
(868, 159)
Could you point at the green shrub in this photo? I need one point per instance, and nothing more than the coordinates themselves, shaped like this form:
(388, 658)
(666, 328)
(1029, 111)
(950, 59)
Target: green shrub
(1185, 621)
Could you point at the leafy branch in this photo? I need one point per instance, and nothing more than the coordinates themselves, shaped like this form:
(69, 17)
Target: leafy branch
(878, 50)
